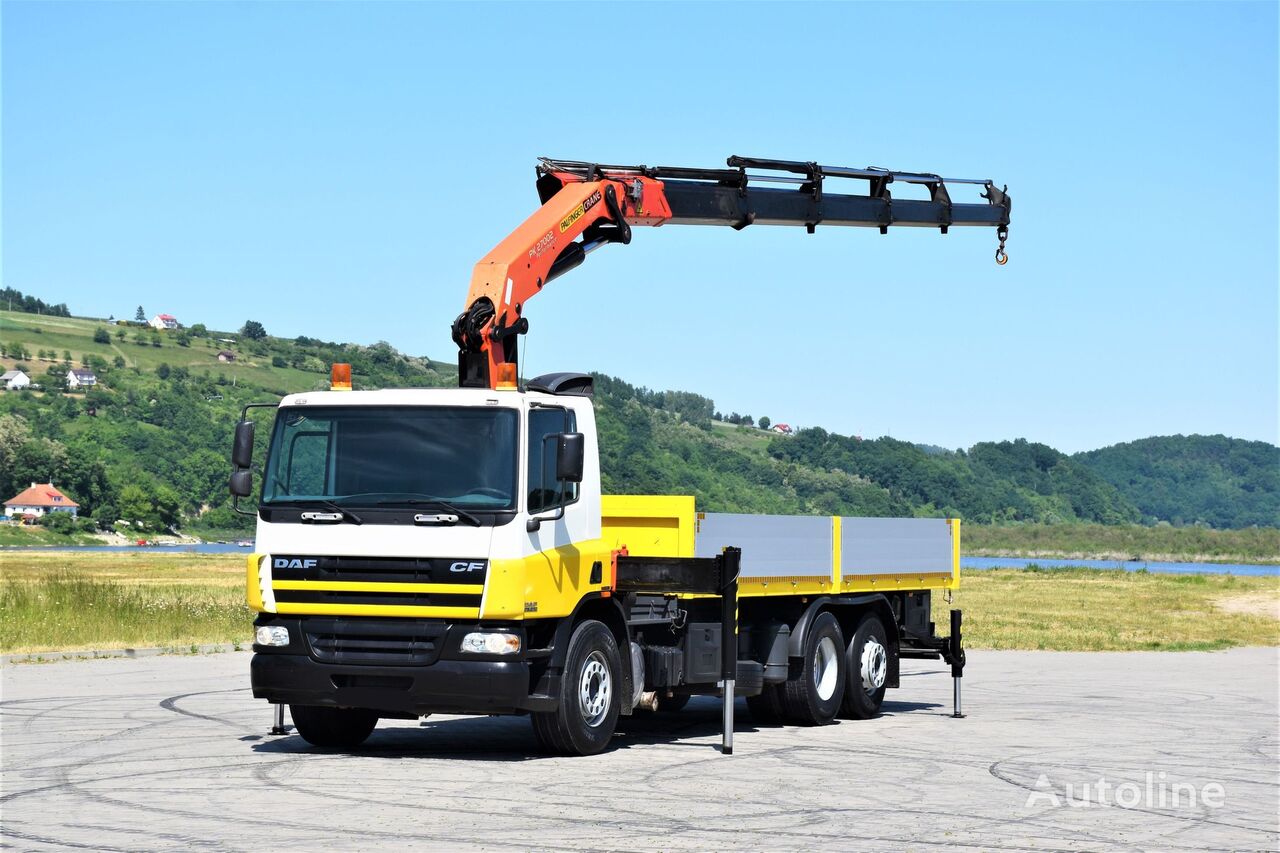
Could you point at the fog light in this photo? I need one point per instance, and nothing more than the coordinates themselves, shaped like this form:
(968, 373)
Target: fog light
(272, 635)
(491, 643)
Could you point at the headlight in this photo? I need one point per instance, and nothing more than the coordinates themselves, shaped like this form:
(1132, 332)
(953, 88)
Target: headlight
(272, 635)
(489, 643)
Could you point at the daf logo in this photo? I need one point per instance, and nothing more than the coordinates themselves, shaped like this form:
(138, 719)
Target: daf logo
(295, 563)
(463, 566)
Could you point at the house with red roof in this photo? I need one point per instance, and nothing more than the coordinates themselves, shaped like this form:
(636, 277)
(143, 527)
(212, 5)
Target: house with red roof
(163, 321)
(41, 498)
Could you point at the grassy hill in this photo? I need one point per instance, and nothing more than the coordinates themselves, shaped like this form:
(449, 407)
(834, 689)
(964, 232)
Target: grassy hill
(150, 443)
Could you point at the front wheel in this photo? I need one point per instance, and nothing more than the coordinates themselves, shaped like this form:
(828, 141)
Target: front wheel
(590, 695)
(343, 728)
(867, 665)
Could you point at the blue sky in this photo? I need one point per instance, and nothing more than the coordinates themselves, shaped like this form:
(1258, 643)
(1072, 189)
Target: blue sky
(335, 170)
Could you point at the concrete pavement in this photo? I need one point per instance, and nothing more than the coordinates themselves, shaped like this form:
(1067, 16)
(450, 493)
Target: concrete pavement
(172, 752)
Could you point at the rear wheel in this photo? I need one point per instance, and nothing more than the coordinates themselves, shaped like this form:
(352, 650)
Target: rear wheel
(811, 696)
(343, 728)
(867, 666)
(590, 695)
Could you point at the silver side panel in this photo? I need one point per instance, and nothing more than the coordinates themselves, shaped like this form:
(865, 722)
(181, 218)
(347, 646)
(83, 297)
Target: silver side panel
(879, 546)
(772, 545)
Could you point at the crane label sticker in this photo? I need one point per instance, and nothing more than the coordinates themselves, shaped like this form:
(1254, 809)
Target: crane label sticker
(579, 211)
(548, 241)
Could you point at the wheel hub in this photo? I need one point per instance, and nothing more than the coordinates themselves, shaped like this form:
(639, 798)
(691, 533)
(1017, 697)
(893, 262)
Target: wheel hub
(826, 668)
(875, 665)
(595, 689)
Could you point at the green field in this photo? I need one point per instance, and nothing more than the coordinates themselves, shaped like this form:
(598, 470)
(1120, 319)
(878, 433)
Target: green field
(34, 536)
(76, 335)
(67, 601)
(1259, 545)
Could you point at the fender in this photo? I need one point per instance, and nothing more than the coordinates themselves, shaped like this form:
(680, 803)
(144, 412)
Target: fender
(615, 619)
(873, 601)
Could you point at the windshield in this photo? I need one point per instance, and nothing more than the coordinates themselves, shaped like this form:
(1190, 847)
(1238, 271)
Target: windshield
(394, 456)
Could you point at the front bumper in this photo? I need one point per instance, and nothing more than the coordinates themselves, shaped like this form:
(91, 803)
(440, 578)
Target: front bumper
(446, 686)
(440, 680)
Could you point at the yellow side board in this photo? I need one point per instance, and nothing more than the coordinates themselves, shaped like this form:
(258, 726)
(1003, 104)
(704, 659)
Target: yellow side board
(551, 583)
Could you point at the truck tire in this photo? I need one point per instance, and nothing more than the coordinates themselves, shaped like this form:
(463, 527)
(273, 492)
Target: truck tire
(590, 695)
(811, 696)
(766, 707)
(866, 665)
(343, 728)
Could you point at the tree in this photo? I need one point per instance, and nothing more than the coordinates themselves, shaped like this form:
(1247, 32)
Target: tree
(101, 336)
(764, 422)
(253, 330)
(58, 522)
(118, 361)
(135, 503)
(66, 356)
(162, 370)
(198, 330)
(120, 334)
(183, 338)
(140, 316)
(278, 361)
(155, 339)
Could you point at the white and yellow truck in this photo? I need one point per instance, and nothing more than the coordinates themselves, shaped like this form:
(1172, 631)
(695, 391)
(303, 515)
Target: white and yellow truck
(450, 550)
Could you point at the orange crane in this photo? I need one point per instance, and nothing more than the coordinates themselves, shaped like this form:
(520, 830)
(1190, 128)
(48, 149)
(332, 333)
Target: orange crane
(588, 205)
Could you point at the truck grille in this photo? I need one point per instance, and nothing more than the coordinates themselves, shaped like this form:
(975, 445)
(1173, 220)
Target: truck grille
(396, 642)
(377, 586)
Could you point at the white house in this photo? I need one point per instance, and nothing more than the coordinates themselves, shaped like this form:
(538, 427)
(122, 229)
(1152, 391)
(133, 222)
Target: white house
(79, 377)
(782, 429)
(163, 321)
(39, 499)
(14, 380)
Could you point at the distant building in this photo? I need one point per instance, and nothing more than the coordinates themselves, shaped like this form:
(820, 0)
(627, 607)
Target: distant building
(783, 429)
(226, 355)
(15, 380)
(163, 321)
(41, 498)
(80, 377)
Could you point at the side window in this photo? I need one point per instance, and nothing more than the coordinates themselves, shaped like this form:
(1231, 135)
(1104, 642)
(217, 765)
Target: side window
(544, 491)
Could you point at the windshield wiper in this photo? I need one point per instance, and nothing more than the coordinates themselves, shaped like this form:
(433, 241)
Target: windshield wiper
(338, 513)
(438, 504)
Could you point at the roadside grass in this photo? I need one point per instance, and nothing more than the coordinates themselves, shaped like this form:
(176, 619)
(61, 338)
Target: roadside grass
(1123, 542)
(1096, 610)
(66, 602)
(60, 601)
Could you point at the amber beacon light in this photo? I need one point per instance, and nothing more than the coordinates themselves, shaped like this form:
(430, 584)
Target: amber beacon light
(340, 377)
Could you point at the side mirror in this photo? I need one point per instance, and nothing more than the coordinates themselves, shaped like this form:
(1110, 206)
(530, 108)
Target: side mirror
(242, 448)
(241, 484)
(570, 451)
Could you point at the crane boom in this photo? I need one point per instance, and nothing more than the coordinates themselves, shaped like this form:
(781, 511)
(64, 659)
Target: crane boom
(588, 205)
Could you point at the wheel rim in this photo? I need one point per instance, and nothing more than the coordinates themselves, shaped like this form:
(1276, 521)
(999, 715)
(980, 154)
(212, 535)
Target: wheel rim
(595, 687)
(826, 668)
(875, 664)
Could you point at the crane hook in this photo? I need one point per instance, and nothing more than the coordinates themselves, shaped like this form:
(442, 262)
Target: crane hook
(1002, 257)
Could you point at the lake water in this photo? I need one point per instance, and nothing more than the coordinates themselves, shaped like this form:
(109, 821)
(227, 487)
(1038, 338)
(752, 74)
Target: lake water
(1128, 566)
(965, 562)
(202, 548)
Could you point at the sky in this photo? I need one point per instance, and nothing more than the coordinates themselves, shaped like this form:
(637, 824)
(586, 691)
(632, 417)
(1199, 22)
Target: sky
(335, 170)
